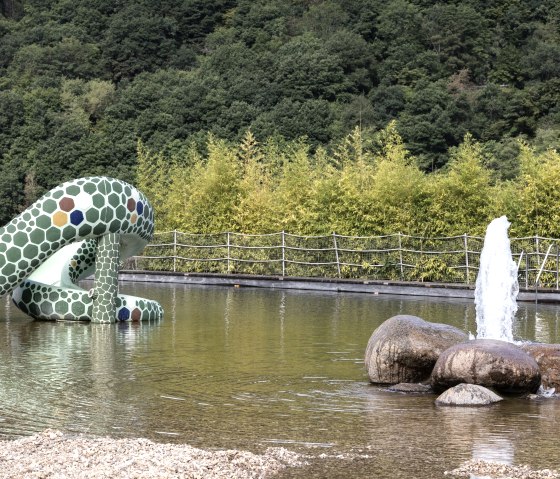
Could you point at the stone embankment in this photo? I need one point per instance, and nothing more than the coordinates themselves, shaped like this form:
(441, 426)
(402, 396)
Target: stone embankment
(52, 454)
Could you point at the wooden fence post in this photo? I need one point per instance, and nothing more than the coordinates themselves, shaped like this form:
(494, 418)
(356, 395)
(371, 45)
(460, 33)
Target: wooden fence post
(228, 254)
(526, 270)
(401, 257)
(174, 251)
(465, 241)
(336, 253)
(557, 265)
(283, 254)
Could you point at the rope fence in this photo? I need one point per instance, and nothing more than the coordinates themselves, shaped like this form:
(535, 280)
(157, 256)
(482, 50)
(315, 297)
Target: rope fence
(390, 257)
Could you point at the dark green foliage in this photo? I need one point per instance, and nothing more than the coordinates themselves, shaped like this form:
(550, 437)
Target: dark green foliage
(293, 119)
(82, 80)
(137, 40)
(11, 8)
(432, 121)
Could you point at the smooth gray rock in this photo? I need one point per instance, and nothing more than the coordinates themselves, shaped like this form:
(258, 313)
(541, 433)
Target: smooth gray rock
(468, 395)
(405, 348)
(495, 364)
(547, 357)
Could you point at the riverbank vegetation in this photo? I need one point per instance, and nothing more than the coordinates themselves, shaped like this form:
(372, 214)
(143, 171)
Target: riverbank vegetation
(367, 185)
(474, 88)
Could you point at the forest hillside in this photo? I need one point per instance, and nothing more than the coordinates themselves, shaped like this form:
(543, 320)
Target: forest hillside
(82, 82)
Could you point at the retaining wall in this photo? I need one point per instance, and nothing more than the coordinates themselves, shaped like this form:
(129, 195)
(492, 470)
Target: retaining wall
(330, 284)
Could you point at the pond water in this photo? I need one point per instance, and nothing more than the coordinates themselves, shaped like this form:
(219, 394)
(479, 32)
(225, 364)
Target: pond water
(253, 368)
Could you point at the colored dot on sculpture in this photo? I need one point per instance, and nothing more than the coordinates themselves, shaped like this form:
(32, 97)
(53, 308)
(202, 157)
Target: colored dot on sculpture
(136, 314)
(60, 218)
(131, 204)
(76, 217)
(124, 314)
(66, 204)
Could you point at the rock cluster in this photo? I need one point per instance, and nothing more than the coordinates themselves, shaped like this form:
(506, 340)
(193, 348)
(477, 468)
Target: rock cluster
(412, 353)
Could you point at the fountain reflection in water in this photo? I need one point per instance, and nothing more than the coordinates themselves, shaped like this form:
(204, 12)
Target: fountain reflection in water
(496, 285)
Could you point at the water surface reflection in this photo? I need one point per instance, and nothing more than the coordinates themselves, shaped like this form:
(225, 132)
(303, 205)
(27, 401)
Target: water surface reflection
(251, 368)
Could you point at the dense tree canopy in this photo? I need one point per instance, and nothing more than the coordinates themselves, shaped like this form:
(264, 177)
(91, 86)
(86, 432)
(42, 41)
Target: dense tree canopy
(82, 81)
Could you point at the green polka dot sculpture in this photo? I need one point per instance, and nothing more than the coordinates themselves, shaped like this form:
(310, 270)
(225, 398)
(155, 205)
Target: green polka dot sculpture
(82, 226)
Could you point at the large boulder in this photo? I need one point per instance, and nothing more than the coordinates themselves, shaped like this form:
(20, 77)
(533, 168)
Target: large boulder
(494, 364)
(467, 395)
(405, 348)
(547, 357)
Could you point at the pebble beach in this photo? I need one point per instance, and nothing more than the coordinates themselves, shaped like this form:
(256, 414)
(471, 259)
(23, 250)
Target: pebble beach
(495, 470)
(55, 455)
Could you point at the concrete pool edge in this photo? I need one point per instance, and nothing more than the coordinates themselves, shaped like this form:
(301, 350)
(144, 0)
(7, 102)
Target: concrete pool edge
(443, 290)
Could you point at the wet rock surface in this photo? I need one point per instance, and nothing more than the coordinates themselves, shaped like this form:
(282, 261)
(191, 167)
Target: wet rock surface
(495, 364)
(547, 357)
(494, 470)
(468, 395)
(405, 348)
(411, 388)
(57, 455)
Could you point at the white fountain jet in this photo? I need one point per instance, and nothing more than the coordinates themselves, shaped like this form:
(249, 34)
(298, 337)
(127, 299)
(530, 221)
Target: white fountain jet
(496, 289)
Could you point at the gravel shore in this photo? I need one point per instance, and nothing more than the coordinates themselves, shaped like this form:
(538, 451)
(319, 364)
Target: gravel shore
(52, 454)
(55, 455)
(496, 470)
